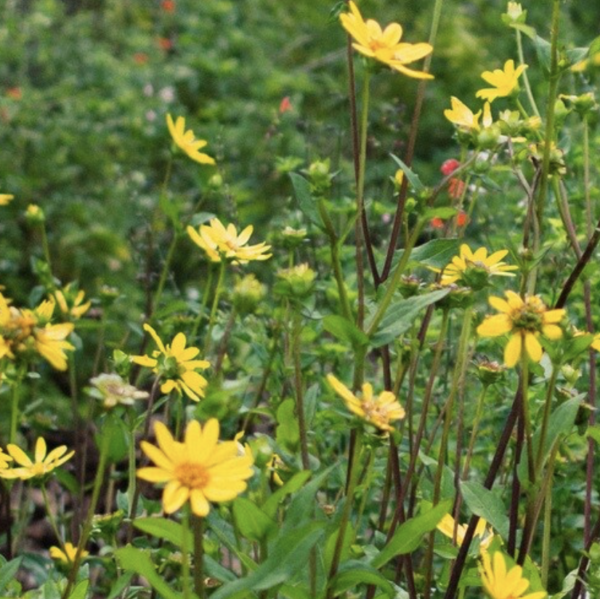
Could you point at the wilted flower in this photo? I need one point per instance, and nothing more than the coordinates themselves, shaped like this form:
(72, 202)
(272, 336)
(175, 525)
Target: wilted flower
(525, 320)
(186, 141)
(224, 243)
(112, 391)
(505, 81)
(199, 470)
(41, 465)
(379, 411)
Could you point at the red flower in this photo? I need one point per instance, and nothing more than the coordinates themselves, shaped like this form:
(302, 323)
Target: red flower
(140, 58)
(449, 166)
(462, 219)
(285, 105)
(437, 223)
(165, 43)
(14, 92)
(168, 5)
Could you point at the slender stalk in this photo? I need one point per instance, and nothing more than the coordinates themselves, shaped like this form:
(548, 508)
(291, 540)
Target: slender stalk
(14, 411)
(185, 553)
(297, 330)
(353, 474)
(51, 517)
(215, 305)
(474, 431)
(525, 78)
(545, 418)
(197, 528)
(87, 525)
(547, 535)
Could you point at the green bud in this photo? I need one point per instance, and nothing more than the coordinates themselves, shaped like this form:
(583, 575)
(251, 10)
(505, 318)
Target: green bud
(248, 292)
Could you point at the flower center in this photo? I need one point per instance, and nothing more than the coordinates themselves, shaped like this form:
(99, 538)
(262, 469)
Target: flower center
(527, 318)
(192, 476)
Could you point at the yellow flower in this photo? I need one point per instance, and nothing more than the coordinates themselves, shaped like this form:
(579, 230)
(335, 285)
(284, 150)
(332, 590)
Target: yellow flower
(50, 343)
(502, 584)
(525, 320)
(219, 242)
(378, 411)
(186, 141)
(177, 365)
(504, 81)
(199, 470)
(384, 44)
(41, 465)
(5, 199)
(461, 115)
(446, 527)
(473, 269)
(70, 301)
(67, 556)
(4, 459)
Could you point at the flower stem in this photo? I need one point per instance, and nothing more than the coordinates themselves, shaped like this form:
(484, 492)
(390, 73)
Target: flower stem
(51, 517)
(197, 528)
(297, 330)
(474, 431)
(87, 525)
(185, 553)
(215, 305)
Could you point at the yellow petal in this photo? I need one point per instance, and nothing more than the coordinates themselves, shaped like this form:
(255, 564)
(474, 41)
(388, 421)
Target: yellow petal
(512, 351)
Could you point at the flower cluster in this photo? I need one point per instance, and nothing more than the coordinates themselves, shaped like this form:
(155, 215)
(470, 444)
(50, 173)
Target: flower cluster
(199, 470)
(29, 332)
(224, 243)
(176, 365)
(384, 45)
(379, 411)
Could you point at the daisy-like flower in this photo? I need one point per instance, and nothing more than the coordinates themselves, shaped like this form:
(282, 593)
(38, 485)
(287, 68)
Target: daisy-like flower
(473, 269)
(70, 301)
(446, 527)
(504, 81)
(501, 583)
(6, 198)
(67, 556)
(43, 462)
(199, 470)
(50, 343)
(384, 44)
(224, 243)
(113, 391)
(379, 411)
(462, 116)
(4, 460)
(525, 320)
(186, 141)
(176, 364)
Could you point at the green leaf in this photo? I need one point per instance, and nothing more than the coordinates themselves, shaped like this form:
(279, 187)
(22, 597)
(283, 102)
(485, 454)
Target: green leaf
(576, 346)
(291, 592)
(8, 571)
(412, 177)
(161, 528)
(353, 573)
(306, 202)
(80, 591)
(401, 316)
(251, 521)
(436, 253)
(544, 52)
(138, 561)
(116, 428)
(170, 209)
(443, 212)
(296, 482)
(526, 29)
(117, 588)
(287, 432)
(408, 536)
(345, 330)
(289, 551)
(485, 504)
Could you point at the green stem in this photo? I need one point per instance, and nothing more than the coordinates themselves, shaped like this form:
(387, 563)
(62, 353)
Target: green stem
(360, 188)
(165, 270)
(215, 305)
(87, 526)
(395, 280)
(46, 249)
(296, 347)
(478, 414)
(51, 517)
(14, 411)
(353, 474)
(525, 78)
(185, 553)
(525, 415)
(546, 416)
(197, 528)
